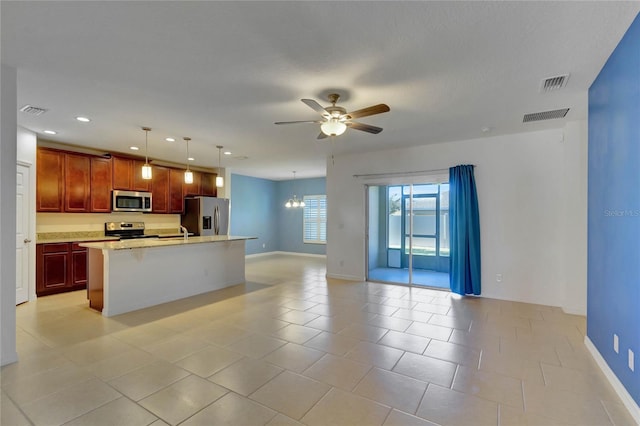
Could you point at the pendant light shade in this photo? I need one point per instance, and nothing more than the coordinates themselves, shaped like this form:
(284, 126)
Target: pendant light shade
(219, 179)
(188, 174)
(146, 168)
(333, 127)
(294, 202)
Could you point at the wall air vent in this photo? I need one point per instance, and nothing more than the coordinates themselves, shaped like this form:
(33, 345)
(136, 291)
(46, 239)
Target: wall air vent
(33, 110)
(554, 83)
(545, 115)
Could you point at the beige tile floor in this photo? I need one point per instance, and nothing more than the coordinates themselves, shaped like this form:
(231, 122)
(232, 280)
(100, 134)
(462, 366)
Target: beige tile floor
(291, 347)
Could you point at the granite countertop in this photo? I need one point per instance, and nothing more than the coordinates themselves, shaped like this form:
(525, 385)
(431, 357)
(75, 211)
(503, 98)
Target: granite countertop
(71, 237)
(161, 242)
(89, 236)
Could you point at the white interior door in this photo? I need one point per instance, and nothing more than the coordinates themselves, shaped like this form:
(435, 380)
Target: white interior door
(23, 234)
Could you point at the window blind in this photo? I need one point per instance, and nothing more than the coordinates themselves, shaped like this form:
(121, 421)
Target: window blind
(315, 219)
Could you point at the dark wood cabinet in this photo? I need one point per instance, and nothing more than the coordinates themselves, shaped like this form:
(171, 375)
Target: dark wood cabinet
(195, 187)
(78, 263)
(208, 184)
(51, 268)
(60, 267)
(122, 168)
(160, 189)
(176, 199)
(101, 185)
(49, 180)
(77, 183)
(127, 175)
(138, 183)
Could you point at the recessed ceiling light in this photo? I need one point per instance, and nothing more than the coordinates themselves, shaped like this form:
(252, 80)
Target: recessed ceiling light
(50, 132)
(83, 119)
(227, 153)
(134, 148)
(170, 139)
(191, 159)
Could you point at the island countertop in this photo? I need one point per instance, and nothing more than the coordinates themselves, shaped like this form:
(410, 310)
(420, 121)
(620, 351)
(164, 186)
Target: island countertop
(161, 242)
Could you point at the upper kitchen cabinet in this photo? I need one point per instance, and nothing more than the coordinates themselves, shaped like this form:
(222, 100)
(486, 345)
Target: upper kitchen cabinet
(193, 188)
(160, 189)
(127, 174)
(49, 180)
(101, 185)
(77, 183)
(208, 185)
(176, 203)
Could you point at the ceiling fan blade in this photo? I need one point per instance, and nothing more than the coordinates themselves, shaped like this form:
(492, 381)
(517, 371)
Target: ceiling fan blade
(314, 105)
(296, 122)
(364, 127)
(322, 136)
(372, 110)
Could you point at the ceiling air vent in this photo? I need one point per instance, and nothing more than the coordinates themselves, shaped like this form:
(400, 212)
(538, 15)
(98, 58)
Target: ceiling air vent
(554, 83)
(29, 109)
(545, 115)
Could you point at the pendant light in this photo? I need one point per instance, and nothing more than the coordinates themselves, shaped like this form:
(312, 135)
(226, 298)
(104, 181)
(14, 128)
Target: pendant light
(146, 168)
(294, 202)
(219, 179)
(188, 174)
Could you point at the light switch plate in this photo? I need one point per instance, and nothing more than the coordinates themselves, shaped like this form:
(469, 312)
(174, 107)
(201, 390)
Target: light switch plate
(616, 343)
(631, 360)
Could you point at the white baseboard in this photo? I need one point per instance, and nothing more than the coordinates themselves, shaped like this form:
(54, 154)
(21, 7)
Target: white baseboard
(622, 392)
(293, 253)
(575, 310)
(9, 358)
(288, 253)
(345, 277)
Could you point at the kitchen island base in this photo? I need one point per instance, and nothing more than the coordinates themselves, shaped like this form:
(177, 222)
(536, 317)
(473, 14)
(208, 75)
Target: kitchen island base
(123, 279)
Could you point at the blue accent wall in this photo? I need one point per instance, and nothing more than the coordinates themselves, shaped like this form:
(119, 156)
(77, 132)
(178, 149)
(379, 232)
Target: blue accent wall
(257, 209)
(613, 291)
(253, 212)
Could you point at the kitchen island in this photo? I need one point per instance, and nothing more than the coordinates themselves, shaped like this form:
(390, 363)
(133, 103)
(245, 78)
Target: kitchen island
(128, 275)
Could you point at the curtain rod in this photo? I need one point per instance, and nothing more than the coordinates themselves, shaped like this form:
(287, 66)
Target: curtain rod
(400, 174)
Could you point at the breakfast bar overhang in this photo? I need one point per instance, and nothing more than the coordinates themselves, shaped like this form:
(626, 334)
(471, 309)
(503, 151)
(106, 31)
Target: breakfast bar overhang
(125, 276)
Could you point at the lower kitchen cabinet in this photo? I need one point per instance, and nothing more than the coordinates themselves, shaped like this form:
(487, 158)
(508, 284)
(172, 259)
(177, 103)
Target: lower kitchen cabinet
(60, 267)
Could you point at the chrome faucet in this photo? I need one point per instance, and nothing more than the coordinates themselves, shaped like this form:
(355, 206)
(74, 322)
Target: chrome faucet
(186, 233)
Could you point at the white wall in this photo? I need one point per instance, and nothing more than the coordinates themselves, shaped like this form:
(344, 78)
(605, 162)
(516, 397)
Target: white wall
(8, 126)
(522, 182)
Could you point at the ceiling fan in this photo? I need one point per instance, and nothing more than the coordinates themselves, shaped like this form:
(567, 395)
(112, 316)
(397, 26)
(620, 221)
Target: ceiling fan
(336, 119)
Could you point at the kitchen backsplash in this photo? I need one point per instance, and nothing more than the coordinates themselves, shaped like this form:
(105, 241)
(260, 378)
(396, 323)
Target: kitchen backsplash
(88, 222)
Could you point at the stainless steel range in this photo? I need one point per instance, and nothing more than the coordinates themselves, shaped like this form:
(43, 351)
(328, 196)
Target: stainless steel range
(126, 230)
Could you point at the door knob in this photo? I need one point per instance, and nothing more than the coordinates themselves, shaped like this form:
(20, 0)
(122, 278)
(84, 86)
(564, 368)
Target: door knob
(27, 241)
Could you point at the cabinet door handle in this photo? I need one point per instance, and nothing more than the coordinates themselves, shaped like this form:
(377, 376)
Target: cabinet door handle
(27, 241)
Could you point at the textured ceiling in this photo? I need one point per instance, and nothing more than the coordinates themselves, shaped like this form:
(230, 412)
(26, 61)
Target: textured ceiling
(223, 72)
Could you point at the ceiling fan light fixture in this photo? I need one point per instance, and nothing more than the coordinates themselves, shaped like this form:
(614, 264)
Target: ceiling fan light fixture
(333, 127)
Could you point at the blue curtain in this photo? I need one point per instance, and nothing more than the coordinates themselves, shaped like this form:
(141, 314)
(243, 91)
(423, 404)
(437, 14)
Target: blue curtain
(464, 231)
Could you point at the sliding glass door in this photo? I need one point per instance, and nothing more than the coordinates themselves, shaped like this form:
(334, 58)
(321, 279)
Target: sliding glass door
(408, 236)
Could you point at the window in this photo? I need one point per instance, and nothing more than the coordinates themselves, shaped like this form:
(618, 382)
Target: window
(314, 227)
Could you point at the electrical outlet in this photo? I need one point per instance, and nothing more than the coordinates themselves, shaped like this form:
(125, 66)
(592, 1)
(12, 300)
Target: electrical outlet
(498, 278)
(616, 343)
(264, 245)
(631, 361)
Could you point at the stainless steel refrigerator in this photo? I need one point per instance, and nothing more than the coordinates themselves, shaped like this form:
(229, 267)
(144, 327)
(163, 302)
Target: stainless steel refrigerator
(206, 215)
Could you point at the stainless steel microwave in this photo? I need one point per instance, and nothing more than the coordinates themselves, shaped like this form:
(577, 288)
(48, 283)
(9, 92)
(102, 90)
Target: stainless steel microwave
(131, 201)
